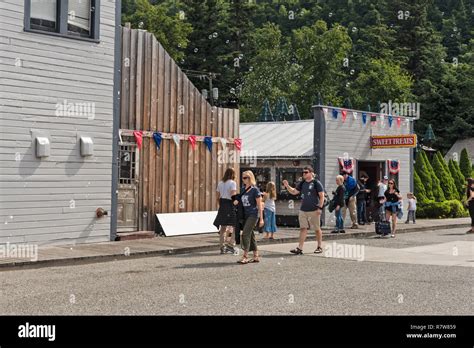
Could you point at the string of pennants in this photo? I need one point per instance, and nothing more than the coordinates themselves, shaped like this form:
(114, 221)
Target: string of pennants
(177, 138)
(365, 116)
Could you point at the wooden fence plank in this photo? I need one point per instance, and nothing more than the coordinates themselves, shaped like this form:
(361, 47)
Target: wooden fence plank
(125, 92)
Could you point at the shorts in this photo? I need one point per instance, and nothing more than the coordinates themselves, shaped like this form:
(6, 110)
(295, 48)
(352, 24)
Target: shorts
(310, 219)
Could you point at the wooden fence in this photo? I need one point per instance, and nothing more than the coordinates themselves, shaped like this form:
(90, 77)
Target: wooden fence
(157, 96)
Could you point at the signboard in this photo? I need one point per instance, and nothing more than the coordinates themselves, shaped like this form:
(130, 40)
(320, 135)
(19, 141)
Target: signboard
(393, 141)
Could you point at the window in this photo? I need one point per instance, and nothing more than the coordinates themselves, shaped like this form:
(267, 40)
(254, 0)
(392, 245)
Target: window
(293, 176)
(43, 15)
(127, 155)
(69, 18)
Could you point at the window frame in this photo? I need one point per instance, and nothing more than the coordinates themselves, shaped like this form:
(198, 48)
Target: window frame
(62, 22)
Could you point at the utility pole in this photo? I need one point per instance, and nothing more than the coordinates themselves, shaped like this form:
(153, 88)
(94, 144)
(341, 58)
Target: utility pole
(210, 76)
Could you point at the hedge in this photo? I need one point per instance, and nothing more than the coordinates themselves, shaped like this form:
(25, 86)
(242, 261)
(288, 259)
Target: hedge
(441, 210)
(465, 164)
(445, 178)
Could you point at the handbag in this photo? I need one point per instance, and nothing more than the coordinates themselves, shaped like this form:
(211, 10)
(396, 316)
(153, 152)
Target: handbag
(332, 205)
(383, 228)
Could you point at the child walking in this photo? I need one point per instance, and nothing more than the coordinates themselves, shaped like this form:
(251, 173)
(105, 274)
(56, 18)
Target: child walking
(411, 207)
(269, 197)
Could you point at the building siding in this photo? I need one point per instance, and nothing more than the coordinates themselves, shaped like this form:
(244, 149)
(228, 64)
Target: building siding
(353, 137)
(53, 200)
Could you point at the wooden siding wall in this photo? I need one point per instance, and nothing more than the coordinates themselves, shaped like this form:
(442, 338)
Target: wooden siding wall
(53, 200)
(158, 96)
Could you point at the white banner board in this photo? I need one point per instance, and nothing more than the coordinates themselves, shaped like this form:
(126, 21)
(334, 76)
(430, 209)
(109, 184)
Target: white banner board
(180, 224)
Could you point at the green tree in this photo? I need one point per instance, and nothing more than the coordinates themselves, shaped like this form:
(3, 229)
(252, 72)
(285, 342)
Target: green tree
(458, 178)
(438, 193)
(423, 173)
(465, 164)
(170, 30)
(420, 191)
(444, 175)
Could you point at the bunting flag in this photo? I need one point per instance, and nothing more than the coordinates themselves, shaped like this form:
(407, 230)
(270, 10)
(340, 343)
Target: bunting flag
(192, 140)
(176, 140)
(394, 166)
(223, 142)
(355, 115)
(364, 117)
(399, 122)
(238, 144)
(334, 113)
(347, 164)
(157, 137)
(344, 115)
(208, 142)
(138, 138)
(120, 137)
(390, 120)
(373, 119)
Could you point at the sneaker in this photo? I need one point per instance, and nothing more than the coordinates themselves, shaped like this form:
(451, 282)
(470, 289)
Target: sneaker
(407, 222)
(223, 250)
(355, 227)
(318, 250)
(229, 249)
(334, 231)
(342, 231)
(392, 235)
(296, 251)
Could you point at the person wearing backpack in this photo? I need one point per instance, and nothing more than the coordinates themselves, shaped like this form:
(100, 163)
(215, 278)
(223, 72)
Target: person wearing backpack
(309, 217)
(352, 188)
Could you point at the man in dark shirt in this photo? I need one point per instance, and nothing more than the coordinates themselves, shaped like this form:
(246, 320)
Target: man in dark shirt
(312, 193)
(362, 200)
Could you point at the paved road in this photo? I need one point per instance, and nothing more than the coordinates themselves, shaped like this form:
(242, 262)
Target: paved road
(415, 273)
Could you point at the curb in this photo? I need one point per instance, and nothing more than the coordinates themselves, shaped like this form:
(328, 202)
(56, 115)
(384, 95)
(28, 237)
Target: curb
(187, 250)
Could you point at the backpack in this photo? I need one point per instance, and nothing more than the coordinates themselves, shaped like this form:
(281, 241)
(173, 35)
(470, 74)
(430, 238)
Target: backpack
(326, 196)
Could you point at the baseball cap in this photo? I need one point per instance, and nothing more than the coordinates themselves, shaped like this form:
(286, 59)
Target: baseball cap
(385, 177)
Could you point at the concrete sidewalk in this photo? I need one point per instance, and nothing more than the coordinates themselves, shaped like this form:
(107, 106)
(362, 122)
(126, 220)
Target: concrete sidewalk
(110, 251)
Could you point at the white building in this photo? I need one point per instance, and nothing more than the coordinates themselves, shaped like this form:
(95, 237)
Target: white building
(281, 149)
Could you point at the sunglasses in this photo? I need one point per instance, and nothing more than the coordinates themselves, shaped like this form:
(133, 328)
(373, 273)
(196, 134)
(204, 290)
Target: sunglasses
(305, 172)
(391, 183)
(245, 178)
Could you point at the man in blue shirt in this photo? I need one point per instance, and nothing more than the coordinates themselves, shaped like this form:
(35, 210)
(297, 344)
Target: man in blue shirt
(309, 217)
(351, 200)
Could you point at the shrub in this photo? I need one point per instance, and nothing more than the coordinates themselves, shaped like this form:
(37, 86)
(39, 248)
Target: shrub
(465, 164)
(423, 173)
(445, 178)
(437, 191)
(441, 210)
(458, 178)
(420, 191)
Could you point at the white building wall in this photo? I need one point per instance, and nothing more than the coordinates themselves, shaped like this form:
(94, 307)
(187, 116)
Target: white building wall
(353, 137)
(53, 200)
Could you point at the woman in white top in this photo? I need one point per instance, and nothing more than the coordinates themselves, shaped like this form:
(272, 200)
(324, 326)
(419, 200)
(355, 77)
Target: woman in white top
(225, 220)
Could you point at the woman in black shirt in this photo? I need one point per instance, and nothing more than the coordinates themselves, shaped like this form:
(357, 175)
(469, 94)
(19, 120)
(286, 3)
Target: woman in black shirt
(392, 205)
(470, 201)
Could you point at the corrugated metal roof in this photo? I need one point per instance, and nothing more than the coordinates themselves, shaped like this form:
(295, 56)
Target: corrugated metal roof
(468, 144)
(277, 139)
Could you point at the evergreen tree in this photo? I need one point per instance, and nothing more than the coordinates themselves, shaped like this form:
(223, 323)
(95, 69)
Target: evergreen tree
(420, 192)
(438, 193)
(444, 175)
(458, 178)
(465, 164)
(423, 173)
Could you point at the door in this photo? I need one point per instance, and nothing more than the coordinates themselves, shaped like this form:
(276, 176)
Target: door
(375, 170)
(127, 188)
